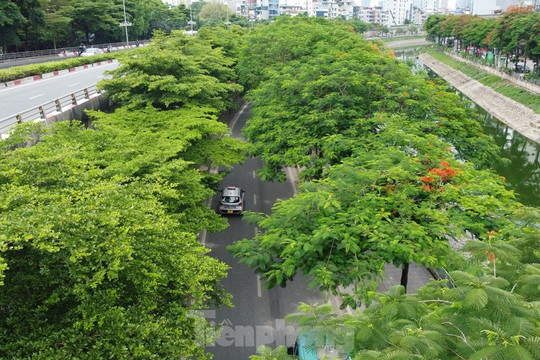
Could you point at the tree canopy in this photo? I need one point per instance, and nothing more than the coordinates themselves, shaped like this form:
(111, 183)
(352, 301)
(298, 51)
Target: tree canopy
(515, 33)
(393, 163)
(99, 253)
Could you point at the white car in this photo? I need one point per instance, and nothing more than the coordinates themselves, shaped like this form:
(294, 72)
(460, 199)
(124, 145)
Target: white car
(92, 52)
(232, 201)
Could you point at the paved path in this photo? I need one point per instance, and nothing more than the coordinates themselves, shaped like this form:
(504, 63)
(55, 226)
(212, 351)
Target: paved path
(407, 43)
(517, 116)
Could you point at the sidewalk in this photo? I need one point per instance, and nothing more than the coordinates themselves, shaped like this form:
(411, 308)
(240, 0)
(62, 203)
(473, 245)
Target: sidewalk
(535, 89)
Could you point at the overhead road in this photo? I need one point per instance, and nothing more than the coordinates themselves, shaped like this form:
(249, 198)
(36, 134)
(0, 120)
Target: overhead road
(19, 98)
(48, 110)
(41, 99)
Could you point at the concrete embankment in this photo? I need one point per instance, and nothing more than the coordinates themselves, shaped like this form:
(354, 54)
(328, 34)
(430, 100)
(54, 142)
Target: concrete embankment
(517, 116)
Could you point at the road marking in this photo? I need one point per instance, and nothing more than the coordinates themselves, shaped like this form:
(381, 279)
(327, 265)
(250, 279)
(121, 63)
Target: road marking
(255, 199)
(254, 174)
(292, 179)
(259, 287)
(75, 84)
(233, 123)
(35, 97)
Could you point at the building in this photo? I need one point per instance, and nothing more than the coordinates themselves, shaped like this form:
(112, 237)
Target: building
(371, 15)
(488, 7)
(419, 16)
(398, 10)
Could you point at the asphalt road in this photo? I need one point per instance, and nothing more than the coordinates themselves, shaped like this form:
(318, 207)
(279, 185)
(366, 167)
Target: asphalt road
(257, 318)
(6, 64)
(18, 98)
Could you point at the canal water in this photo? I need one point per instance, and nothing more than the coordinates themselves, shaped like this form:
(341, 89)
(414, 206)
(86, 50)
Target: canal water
(522, 171)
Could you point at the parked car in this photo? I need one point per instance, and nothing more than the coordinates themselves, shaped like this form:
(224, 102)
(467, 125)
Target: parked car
(91, 52)
(232, 201)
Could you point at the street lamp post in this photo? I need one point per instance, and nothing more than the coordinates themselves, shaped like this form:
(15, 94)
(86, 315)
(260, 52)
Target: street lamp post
(227, 23)
(125, 23)
(191, 22)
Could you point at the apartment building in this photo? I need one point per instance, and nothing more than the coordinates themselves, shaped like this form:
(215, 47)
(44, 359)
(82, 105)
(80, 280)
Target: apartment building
(398, 10)
(371, 15)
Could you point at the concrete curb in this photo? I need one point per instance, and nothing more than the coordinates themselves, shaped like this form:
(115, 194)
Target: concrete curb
(55, 73)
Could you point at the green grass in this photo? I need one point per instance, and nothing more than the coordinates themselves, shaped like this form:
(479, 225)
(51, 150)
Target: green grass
(497, 83)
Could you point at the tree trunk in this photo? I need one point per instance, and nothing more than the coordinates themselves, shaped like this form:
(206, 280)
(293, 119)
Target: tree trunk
(405, 276)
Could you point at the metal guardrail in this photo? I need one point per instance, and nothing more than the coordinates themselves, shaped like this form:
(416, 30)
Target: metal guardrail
(48, 109)
(37, 53)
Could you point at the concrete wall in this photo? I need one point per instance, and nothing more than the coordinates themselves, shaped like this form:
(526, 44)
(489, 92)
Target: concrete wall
(77, 112)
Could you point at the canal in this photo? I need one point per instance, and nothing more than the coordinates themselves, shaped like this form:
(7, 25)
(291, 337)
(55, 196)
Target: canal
(522, 169)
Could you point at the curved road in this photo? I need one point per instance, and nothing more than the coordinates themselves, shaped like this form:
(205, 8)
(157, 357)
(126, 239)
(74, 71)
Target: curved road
(257, 318)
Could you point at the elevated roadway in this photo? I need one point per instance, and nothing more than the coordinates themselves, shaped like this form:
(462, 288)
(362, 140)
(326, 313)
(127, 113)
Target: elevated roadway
(18, 98)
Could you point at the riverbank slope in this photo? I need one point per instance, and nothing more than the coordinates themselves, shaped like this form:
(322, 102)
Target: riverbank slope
(517, 116)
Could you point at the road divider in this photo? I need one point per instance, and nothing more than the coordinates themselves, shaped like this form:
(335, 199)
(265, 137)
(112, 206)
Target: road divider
(55, 73)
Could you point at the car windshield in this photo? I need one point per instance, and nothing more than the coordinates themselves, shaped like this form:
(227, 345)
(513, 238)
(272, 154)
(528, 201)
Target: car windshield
(230, 199)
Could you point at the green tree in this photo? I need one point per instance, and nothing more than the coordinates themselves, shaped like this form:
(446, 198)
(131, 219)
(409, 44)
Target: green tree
(329, 92)
(33, 18)
(482, 317)
(384, 187)
(91, 16)
(174, 72)
(57, 26)
(102, 260)
(107, 269)
(10, 19)
(433, 27)
(215, 10)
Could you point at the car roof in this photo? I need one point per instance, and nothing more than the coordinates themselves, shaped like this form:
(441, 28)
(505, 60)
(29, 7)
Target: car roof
(231, 191)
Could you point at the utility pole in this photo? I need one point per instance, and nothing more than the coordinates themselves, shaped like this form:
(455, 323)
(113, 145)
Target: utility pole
(125, 23)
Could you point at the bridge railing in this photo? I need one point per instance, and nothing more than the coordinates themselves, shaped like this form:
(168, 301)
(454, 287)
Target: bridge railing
(50, 108)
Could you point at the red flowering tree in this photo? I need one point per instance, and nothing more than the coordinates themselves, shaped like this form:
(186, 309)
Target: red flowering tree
(383, 205)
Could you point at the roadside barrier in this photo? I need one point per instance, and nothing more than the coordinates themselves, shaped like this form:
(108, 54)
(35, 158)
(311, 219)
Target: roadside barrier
(49, 109)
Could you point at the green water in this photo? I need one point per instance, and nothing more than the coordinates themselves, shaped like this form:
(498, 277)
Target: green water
(522, 172)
